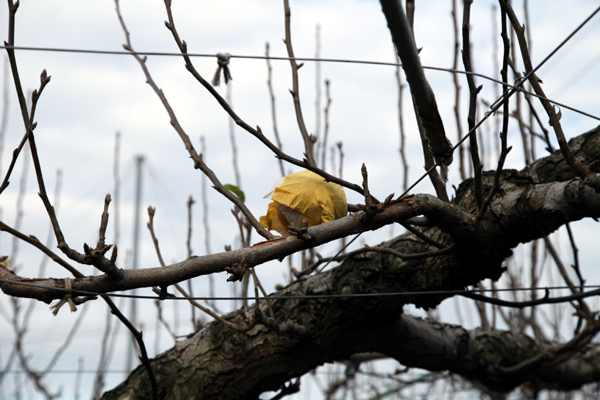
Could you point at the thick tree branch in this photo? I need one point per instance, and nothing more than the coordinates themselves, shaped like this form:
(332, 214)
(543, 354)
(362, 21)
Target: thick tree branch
(220, 363)
(526, 207)
(456, 222)
(419, 87)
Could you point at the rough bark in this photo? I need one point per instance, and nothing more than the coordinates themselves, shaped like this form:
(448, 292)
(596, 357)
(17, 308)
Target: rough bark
(219, 362)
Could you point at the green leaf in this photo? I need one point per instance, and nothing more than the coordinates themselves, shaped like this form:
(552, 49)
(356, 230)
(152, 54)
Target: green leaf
(237, 191)
(279, 286)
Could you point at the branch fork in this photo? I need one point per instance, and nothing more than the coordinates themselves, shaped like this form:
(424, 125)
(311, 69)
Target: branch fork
(237, 271)
(301, 233)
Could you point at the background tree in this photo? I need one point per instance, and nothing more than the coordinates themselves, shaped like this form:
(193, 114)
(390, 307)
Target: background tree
(359, 311)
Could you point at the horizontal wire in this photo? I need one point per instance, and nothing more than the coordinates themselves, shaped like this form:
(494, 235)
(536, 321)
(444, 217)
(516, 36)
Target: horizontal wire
(66, 371)
(203, 55)
(304, 297)
(311, 59)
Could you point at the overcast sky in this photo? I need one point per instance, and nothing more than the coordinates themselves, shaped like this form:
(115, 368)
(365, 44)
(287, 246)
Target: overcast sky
(91, 97)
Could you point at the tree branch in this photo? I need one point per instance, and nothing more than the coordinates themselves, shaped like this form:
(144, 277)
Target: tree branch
(419, 87)
(309, 140)
(524, 211)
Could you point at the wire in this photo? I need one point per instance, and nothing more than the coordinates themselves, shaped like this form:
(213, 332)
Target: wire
(305, 297)
(304, 59)
(340, 252)
(588, 19)
(73, 371)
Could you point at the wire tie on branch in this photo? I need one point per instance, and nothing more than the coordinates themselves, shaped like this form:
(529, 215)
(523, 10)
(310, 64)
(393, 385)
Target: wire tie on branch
(223, 61)
(444, 160)
(67, 298)
(518, 85)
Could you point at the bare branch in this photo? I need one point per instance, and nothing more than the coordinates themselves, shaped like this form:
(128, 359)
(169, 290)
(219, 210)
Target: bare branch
(326, 118)
(585, 310)
(473, 92)
(273, 113)
(504, 149)
(400, 255)
(137, 335)
(162, 292)
(419, 87)
(456, 222)
(36, 243)
(309, 140)
(457, 88)
(401, 130)
(583, 171)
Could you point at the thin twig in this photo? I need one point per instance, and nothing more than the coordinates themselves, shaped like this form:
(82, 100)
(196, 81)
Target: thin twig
(13, 161)
(234, 152)
(326, 118)
(206, 225)
(402, 256)
(565, 275)
(317, 131)
(260, 286)
(485, 324)
(457, 88)
(422, 236)
(527, 151)
(188, 242)
(162, 290)
(5, 108)
(32, 240)
(473, 92)
(401, 129)
(341, 153)
(575, 264)
(309, 140)
(28, 121)
(273, 113)
(22, 192)
(103, 222)
(368, 200)
(137, 335)
(504, 149)
(531, 303)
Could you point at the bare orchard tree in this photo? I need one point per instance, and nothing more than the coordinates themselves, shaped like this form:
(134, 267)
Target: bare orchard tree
(354, 313)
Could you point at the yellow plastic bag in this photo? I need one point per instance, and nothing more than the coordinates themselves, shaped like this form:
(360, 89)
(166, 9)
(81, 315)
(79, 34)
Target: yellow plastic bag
(303, 196)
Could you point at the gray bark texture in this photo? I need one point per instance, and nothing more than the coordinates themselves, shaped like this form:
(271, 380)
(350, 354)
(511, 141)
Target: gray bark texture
(218, 362)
